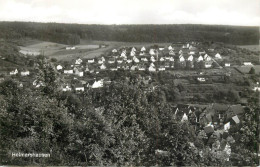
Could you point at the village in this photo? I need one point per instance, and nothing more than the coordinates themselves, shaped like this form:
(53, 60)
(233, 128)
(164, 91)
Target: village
(197, 69)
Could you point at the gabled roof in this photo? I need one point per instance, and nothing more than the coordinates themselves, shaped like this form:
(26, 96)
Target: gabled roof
(237, 109)
(235, 119)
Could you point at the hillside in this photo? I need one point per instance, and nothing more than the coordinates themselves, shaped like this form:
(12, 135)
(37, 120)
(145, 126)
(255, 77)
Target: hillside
(72, 33)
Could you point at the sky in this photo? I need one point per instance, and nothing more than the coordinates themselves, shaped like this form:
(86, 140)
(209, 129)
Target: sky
(221, 12)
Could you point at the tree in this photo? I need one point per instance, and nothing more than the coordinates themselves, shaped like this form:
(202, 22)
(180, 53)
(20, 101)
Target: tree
(252, 70)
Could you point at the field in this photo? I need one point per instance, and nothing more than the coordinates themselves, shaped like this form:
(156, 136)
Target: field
(246, 69)
(250, 47)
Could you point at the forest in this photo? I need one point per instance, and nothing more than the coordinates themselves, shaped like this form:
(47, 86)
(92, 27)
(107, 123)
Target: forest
(119, 124)
(72, 33)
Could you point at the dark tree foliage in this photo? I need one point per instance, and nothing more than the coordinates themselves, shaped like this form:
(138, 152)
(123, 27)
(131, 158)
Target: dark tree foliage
(72, 33)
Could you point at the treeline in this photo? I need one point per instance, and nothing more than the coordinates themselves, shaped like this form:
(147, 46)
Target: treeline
(72, 33)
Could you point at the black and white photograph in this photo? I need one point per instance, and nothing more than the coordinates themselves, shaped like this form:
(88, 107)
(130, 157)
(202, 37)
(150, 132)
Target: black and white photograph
(129, 83)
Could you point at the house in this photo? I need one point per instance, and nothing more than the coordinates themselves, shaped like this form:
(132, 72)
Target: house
(190, 58)
(59, 67)
(68, 71)
(66, 88)
(218, 56)
(151, 52)
(227, 64)
(143, 49)
(129, 60)
(227, 126)
(152, 69)
(102, 67)
(200, 58)
(133, 68)
(207, 57)
(133, 49)
(14, 72)
(171, 52)
(70, 47)
(170, 48)
(98, 84)
(78, 61)
(132, 53)
(208, 64)
(201, 79)
(123, 54)
(78, 72)
(91, 61)
(141, 68)
(248, 64)
(25, 73)
(144, 59)
(171, 59)
(192, 52)
(161, 68)
(114, 51)
(136, 60)
(79, 87)
(181, 58)
(235, 119)
(162, 59)
(161, 49)
(38, 84)
(111, 60)
(152, 65)
(100, 61)
(119, 61)
(141, 53)
(184, 118)
(152, 59)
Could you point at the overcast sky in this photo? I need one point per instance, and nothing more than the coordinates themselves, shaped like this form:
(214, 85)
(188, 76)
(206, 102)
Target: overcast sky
(228, 12)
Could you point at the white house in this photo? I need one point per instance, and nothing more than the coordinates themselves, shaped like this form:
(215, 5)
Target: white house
(227, 126)
(114, 51)
(136, 60)
(152, 59)
(161, 68)
(143, 49)
(182, 59)
(133, 49)
(14, 72)
(79, 88)
(133, 68)
(141, 68)
(162, 59)
(141, 53)
(171, 53)
(180, 52)
(190, 58)
(70, 48)
(132, 53)
(68, 71)
(200, 59)
(192, 52)
(151, 52)
(25, 73)
(91, 61)
(78, 61)
(248, 64)
(184, 117)
(123, 55)
(98, 84)
(152, 65)
(119, 61)
(129, 60)
(218, 56)
(207, 57)
(59, 67)
(227, 64)
(152, 68)
(170, 47)
(171, 59)
(66, 88)
(201, 79)
(161, 49)
(111, 61)
(144, 59)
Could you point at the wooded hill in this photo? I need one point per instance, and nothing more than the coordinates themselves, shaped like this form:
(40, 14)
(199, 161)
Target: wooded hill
(72, 33)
